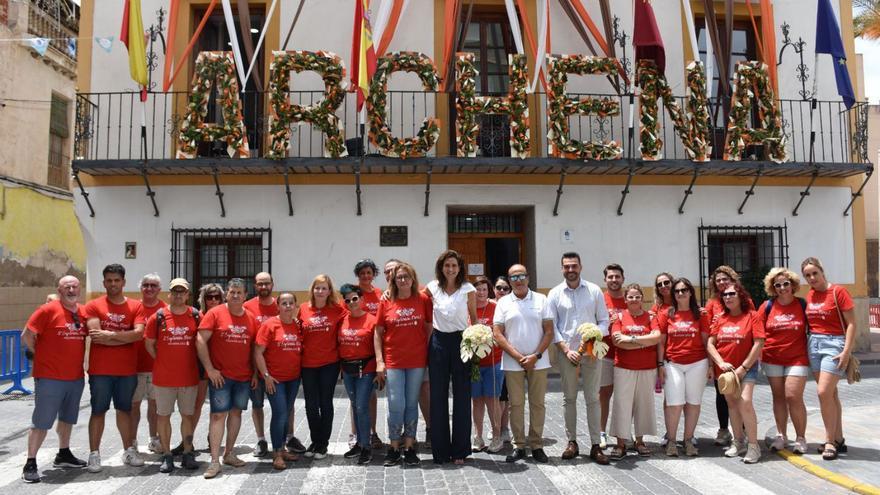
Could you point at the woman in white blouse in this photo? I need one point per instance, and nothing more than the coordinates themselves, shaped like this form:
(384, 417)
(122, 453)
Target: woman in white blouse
(455, 306)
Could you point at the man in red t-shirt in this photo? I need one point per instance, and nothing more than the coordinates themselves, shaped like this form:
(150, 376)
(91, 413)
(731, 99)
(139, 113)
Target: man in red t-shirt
(226, 334)
(151, 286)
(56, 338)
(263, 306)
(170, 338)
(616, 304)
(114, 328)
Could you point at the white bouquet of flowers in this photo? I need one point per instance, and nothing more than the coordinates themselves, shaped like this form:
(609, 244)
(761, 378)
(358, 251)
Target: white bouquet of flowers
(476, 343)
(591, 341)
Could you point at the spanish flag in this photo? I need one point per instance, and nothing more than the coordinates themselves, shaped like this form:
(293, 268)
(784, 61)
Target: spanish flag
(133, 37)
(363, 54)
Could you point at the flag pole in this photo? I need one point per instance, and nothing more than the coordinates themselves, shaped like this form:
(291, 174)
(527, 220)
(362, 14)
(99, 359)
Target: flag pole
(813, 104)
(362, 152)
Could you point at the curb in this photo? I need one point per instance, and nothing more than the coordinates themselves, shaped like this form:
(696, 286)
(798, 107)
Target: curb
(836, 478)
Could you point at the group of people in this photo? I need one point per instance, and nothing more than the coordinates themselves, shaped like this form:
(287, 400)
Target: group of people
(406, 340)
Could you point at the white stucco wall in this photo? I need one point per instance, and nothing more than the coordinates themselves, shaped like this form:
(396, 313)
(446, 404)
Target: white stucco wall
(325, 235)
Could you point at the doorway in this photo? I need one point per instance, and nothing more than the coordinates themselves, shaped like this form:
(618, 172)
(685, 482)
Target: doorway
(489, 241)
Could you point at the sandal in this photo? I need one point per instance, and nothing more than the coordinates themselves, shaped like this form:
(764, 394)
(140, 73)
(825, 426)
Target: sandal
(643, 450)
(617, 453)
(829, 453)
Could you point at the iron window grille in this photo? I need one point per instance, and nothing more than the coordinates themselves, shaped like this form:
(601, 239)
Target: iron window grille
(494, 223)
(205, 256)
(751, 251)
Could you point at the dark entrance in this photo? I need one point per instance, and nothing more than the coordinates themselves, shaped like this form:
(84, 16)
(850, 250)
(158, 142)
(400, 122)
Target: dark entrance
(489, 242)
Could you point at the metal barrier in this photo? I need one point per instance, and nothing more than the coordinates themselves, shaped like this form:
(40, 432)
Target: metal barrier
(874, 315)
(14, 365)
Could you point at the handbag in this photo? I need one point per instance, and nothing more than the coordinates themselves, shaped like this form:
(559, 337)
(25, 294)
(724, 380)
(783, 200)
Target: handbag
(853, 366)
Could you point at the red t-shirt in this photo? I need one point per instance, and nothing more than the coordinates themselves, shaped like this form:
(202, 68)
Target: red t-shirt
(715, 308)
(284, 347)
(684, 335)
(261, 312)
(634, 359)
(822, 313)
(356, 339)
(61, 343)
(176, 362)
(370, 300)
(735, 335)
(320, 328)
(114, 360)
(616, 306)
(145, 361)
(786, 336)
(486, 316)
(405, 342)
(230, 344)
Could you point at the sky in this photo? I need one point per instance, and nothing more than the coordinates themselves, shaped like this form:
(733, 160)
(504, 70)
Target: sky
(871, 56)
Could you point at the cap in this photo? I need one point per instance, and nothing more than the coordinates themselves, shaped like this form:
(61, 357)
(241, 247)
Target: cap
(728, 383)
(178, 282)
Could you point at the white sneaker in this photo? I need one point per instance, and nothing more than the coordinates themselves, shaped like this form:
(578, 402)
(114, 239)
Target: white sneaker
(155, 446)
(94, 465)
(352, 440)
(694, 441)
(603, 440)
(753, 454)
(495, 445)
(737, 448)
(477, 445)
(778, 443)
(663, 440)
(131, 458)
(800, 446)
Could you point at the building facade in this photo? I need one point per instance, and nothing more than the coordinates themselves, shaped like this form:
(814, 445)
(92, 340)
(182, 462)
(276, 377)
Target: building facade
(214, 217)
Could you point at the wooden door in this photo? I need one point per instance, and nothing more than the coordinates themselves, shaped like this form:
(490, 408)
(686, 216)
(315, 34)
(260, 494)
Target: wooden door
(472, 249)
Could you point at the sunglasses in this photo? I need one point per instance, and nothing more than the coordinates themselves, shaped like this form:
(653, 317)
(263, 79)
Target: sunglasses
(782, 284)
(150, 286)
(352, 299)
(502, 288)
(179, 291)
(682, 291)
(518, 278)
(728, 294)
(665, 283)
(213, 297)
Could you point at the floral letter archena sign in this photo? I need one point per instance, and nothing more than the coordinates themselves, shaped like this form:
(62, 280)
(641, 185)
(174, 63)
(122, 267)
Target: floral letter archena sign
(752, 82)
(213, 68)
(322, 115)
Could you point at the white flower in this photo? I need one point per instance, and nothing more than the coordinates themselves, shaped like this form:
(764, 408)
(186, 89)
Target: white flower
(476, 341)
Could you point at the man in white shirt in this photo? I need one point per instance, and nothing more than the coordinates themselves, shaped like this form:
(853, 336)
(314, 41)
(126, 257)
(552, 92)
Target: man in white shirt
(523, 328)
(574, 302)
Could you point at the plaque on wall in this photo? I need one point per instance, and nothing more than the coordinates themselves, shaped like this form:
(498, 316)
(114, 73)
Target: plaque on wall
(392, 235)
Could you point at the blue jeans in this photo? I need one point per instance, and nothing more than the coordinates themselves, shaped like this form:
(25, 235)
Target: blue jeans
(359, 392)
(318, 386)
(120, 389)
(403, 387)
(445, 364)
(282, 403)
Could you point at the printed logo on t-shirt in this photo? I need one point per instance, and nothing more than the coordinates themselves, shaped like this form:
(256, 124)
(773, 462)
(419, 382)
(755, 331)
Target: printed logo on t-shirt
(179, 336)
(115, 321)
(785, 321)
(261, 318)
(236, 334)
(288, 342)
(817, 310)
(319, 323)
(729, 333)
(636, 330)
(350, 337)
(682, 329)
(72, 331)
(372, 307)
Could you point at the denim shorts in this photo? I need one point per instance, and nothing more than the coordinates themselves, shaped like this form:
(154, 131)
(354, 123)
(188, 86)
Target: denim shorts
(490, 382)
(258, 395)
(118, 388)
(821, 349)
(56, 399)
(752, 374)
(232, 395)
(778, 370)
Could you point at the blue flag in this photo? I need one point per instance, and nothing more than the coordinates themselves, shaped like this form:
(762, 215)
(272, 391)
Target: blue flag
(828, 41)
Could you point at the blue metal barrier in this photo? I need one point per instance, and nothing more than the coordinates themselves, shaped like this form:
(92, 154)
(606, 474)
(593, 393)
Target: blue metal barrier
(14, 365)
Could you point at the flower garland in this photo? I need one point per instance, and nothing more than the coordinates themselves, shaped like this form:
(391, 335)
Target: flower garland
(694, 132)
(380, 133)
(322, 115)
(468, 106)
(211, 68)
(561, 106)
(751, 81)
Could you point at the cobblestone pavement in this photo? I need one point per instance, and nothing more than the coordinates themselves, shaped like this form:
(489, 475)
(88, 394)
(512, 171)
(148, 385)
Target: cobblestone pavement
(484, 473)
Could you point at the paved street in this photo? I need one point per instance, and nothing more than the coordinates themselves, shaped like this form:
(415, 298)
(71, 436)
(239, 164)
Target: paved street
(710, 473)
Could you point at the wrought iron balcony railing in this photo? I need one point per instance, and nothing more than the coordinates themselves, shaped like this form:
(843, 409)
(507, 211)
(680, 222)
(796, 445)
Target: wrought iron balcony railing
(108, 127)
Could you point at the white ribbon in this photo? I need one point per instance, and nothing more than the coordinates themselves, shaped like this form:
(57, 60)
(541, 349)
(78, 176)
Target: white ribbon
(540, 59)
(710, 64)
(259, 44)
(382, 17)
(692, 32)
(514, 26)
(233, 40)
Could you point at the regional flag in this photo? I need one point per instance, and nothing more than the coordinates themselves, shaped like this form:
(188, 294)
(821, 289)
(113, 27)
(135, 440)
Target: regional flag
(828, 40)
(133, 37)
(646, 35)
(363, 54)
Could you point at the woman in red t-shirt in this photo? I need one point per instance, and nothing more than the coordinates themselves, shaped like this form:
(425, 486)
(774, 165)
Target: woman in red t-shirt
(735, 345)
(635, 371)
(403, 327)
(277, 356)
(486, 391)
(683, 334)
(366, 272)
(663, 299)
(357, 353)
(831, 315)
(320, 319)
(784, 357)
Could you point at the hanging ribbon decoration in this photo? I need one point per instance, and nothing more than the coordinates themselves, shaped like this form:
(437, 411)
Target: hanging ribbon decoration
(543, 33)
(389, 17)
(692, 31)
(768, 25)
(450, 17)
(293, 24)
(259, 45)
(530, 37)
(168, 76)
(244, 24)
(513, 19)
(233, 40)
(588, 21)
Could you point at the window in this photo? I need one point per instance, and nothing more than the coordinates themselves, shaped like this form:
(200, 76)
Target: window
(59, 134)
(205, 256)
(743, 46)
(485, 223)
(751, 251)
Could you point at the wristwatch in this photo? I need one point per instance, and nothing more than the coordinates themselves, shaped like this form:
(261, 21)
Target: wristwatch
(539, 355)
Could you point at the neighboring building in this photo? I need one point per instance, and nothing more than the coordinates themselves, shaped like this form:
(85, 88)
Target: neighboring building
(216, 217)
(872, 203)
(40, 238)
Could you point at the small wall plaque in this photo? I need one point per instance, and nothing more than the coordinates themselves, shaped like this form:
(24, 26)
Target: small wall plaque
(131, 250)
(393, 235)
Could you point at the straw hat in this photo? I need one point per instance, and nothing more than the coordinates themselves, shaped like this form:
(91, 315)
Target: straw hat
(728, 383)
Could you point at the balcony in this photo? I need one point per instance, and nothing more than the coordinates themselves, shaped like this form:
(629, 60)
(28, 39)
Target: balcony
(57, 20)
